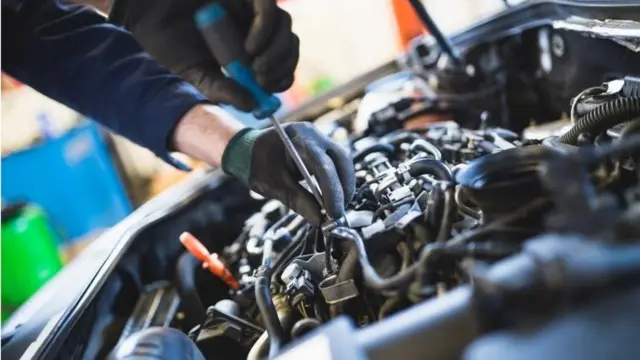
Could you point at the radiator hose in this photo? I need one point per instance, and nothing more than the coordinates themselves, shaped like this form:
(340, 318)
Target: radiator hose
(603, 117)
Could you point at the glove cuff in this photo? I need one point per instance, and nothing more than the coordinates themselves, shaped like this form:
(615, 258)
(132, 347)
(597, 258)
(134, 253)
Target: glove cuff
(236, 158)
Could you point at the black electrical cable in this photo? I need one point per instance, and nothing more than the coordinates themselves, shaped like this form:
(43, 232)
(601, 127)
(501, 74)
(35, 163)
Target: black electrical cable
(364, 188)
(603, 117)
(281, 222)
(389, 206)
(289, 253)
(430, 26)
(277, 335)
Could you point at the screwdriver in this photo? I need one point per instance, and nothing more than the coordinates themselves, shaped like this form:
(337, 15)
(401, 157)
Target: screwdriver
(227, 47)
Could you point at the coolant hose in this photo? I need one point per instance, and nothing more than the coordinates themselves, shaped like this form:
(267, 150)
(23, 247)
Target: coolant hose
(277, 336)
(603, 117)
(431, 167)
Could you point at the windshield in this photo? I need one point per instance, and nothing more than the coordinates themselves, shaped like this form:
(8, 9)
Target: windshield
(451, 21)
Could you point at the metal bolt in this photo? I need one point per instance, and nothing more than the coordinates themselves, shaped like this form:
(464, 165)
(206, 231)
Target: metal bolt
(470, 70)
(557, 45)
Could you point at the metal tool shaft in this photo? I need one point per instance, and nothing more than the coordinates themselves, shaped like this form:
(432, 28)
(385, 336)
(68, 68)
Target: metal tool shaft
(288, 144)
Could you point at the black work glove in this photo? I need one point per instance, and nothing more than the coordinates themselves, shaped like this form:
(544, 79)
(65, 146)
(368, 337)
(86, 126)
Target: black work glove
(259, 158)
(166, 29)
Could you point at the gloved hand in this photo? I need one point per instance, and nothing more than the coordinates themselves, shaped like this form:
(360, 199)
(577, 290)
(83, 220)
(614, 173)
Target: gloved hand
(166, 29)
(259, 158)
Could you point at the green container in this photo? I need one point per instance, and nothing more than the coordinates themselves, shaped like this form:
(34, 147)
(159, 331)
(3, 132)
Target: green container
(29, 254)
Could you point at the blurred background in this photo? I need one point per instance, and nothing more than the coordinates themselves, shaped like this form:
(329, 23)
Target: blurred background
(65, 180)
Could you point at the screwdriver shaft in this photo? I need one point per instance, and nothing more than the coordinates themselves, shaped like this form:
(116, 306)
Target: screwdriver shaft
(288, 144)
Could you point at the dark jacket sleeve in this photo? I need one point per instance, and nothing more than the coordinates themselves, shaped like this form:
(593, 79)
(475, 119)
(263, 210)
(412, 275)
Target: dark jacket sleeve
(71, 54)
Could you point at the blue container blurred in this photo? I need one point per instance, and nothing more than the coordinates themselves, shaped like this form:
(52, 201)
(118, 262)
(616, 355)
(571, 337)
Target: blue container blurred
(72, 178)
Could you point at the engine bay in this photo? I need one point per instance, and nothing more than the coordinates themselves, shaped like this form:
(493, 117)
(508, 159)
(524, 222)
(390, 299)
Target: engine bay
(492, 194)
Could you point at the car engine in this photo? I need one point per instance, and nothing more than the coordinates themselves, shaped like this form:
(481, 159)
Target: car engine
(497, 191)
(438, 206)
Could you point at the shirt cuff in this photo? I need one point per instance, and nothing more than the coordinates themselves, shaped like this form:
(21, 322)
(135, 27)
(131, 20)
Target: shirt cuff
(164, 114)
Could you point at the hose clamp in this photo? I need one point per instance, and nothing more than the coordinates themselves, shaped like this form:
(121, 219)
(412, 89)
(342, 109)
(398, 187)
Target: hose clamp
(332, 224)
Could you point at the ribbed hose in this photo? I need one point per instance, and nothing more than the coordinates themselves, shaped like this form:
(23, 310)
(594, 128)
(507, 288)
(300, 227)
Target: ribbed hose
(604, 117)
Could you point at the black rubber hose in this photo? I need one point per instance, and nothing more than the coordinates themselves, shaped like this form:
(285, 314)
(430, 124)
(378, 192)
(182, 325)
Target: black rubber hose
(277, 336)
(447, 216)
(348, 267)
(398, 137)
(303, 326)
(347, 271)
(193, 309)
(371, 277)
(378, 147)
(431, 167)
(431, 27)
(603, 117)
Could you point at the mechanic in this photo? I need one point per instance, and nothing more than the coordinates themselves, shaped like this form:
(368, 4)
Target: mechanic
(79, 58)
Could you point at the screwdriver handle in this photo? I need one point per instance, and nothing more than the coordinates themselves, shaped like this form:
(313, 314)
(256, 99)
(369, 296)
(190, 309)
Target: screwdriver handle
(226, 45)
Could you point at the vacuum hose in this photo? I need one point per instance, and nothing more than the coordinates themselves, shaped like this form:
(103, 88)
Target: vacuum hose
(604, 117)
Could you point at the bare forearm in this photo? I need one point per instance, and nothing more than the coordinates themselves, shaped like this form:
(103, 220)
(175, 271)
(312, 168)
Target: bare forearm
(204, 132)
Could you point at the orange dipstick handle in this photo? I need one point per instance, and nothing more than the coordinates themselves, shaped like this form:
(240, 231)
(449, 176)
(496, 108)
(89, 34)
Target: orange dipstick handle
(209, 261)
